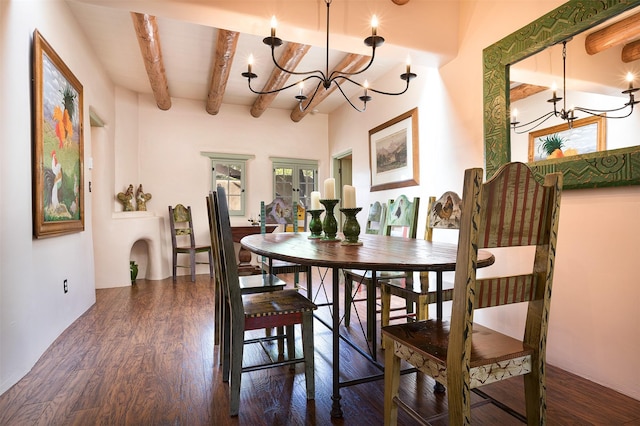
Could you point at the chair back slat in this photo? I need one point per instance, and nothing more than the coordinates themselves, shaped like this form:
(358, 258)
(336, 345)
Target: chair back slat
(232, 282)
(402, 217)
(376, 218)
(525, 222)
(216, 246)
(181, 223)
(504, 290)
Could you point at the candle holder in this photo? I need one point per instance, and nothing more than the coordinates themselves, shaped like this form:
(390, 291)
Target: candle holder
(315, 224)
(351, 227)
(329, 224)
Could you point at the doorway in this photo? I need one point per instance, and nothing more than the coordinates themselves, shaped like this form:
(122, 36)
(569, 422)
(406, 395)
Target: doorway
(342, 173)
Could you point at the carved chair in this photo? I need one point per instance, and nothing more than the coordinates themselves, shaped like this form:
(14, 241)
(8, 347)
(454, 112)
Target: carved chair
(401, 220)
(510, 210)
(280, 212)
(443, 213)
(256, 311)
(258, 283)
(183, 241)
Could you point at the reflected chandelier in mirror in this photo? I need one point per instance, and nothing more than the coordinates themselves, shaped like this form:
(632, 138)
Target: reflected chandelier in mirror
(600, 169)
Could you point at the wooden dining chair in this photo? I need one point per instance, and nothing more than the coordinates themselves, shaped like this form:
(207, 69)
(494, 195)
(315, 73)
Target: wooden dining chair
(258, 283)
(375, 218)
(510, 210)
(183, 241)
(280, 213)
(443, 213)
(284, 308)
(401, 220)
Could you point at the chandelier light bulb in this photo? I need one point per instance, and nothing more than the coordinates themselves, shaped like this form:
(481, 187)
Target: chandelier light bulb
(374, 25)
(630, 79)
(274, 25)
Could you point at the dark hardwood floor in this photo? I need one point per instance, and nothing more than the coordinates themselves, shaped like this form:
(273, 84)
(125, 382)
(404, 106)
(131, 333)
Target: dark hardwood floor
(144, 355)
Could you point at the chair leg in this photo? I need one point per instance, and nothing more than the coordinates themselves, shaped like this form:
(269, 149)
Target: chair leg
(291, 345)
(458, 398)
(309, 275)
(226, 342)
(422, 308)
(175, 265)
(386, 309)
(307, 347)
(535, 396)
(192, 265)
(218, 312)
(237, 348)
(391, 384)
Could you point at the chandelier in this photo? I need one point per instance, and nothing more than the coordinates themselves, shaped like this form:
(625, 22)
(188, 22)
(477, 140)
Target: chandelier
(326, 79)
(569, 115)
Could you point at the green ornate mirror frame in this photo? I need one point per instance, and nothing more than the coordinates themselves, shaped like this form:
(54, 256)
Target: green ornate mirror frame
(607, 168)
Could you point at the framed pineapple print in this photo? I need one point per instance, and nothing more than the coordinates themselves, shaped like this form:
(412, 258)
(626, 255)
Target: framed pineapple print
(584, 136)
(58, 151)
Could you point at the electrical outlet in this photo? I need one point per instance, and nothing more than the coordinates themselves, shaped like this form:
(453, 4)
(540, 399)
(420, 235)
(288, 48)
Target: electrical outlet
(65, 286)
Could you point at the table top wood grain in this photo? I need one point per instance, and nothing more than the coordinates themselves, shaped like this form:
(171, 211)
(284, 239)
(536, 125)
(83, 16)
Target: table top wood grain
(377, 252)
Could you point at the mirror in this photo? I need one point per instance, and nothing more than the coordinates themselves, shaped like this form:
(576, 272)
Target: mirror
(614, 167)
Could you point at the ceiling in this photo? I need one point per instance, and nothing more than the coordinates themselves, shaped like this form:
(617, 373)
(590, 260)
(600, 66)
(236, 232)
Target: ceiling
(187, 31)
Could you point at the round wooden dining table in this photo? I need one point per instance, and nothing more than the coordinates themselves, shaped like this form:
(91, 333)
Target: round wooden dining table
(377, 253)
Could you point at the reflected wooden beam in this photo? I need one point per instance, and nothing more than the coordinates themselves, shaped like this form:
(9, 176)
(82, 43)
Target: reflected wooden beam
(291, 57)
(147, 32)
(525, 90)
(631, 52)
(350, 63)
(223, 59)
(400, 2)
(621, 32)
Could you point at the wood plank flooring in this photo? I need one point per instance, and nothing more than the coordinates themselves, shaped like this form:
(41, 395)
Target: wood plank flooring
(144, 355)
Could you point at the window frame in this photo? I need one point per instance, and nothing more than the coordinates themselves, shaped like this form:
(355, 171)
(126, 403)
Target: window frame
(237, 161)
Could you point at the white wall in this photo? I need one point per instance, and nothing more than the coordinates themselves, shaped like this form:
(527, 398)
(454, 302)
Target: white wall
(594, 328)
(33, 307)
(162, 151)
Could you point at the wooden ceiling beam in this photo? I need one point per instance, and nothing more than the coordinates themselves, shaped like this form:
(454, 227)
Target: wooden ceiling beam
(631, 52)
(621, 32)
(291, 57)
(147, 33)
(223, 59)
(350, 63)
(525, 90)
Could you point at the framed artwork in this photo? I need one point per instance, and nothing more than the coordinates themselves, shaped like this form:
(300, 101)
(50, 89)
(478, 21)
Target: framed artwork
(58, 151)
(393, 153)
(585, 135)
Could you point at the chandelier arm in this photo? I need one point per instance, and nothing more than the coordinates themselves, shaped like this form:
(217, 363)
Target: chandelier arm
(310, 100)
(259, 92)
(347, 99)
(536, 123)
(381, 92)
(275, 62)
(337, 74)
(603, 113)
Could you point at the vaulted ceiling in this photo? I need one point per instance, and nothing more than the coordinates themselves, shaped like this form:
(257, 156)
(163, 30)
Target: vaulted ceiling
(197, 49)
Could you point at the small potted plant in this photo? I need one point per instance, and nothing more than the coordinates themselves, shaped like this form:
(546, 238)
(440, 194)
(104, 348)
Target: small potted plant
(133, 267)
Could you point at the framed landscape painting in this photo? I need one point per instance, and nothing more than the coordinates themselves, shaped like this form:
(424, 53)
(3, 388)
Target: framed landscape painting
(58, 151)
(393, 153)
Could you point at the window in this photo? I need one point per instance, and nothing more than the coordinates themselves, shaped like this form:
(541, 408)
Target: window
(294, 179)
(229, 171)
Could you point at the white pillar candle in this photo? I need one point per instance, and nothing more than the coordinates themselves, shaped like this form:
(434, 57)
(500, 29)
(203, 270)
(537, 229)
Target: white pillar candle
(330, 189)
(315, 200)
(349, 194)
